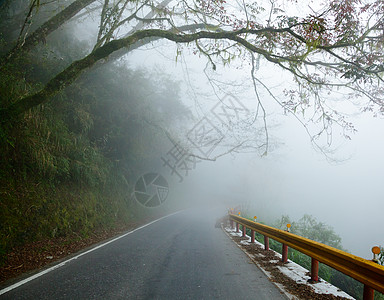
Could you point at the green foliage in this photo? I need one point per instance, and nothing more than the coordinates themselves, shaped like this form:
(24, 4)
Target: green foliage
(310, 228)
(69, 166)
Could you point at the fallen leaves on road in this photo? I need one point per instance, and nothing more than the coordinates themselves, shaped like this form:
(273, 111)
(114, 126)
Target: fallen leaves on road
(35, 255)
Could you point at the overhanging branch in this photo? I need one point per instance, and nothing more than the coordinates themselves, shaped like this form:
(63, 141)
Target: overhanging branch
(73, 71)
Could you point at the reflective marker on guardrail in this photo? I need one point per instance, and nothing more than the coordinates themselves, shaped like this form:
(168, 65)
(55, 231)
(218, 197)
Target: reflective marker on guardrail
(284, 251)
(376, 251)
(366, 271)
(369, 293)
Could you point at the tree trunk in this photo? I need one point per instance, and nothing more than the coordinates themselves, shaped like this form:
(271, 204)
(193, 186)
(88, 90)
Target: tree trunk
(72, 72)
(44, 30)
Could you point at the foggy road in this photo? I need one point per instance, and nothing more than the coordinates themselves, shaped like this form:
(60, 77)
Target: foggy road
(178, 257)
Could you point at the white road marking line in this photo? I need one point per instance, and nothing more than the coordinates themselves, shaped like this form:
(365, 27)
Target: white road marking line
(24, 281)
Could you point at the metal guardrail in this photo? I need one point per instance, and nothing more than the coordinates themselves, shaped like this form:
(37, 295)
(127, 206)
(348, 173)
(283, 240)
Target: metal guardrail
(367, 272)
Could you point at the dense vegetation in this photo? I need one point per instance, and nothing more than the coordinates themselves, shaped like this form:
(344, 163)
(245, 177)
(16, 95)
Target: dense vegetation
(69, 166)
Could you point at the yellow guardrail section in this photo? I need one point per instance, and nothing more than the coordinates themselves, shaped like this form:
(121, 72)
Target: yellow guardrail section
(363, 270)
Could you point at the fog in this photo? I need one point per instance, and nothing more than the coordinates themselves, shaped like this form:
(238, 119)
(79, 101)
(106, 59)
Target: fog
(296, 180)
(339, 184)
(281, 170)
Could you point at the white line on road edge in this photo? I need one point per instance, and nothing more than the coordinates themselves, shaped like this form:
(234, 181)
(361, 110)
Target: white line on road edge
(24, 281)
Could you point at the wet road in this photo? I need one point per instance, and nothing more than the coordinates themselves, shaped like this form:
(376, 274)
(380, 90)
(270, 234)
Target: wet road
(178, 257)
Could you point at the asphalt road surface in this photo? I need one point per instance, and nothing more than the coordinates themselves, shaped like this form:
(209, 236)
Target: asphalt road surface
(177, 257)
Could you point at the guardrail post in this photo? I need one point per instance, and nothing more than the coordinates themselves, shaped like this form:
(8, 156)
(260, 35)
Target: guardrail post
(252, 236)
(266, 242)
(252, 231)
(284, 251)
(243, 231)
(371, 274)
(314, 270)
(237, 224)
(369, 293)
(284, 258)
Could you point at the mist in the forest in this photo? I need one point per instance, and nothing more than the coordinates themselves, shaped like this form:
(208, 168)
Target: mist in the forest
(213, 144)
